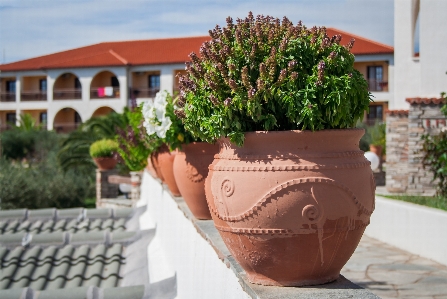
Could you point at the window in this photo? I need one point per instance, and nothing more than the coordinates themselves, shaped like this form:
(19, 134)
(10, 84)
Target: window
(375, 78)
(114, 82)
(11, 86)
(43, 118)
(77, 118)
(11, 118)
(154, 81)
(375, 112)
(77, 83)
(43, 85)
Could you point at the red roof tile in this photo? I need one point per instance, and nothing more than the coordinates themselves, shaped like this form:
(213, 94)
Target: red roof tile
(155, 51)
(362, 45)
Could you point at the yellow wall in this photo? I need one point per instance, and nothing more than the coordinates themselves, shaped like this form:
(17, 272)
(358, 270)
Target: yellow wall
(102, 79)
(65, 116)
(31, 83)
(65, 81)
(140, 79)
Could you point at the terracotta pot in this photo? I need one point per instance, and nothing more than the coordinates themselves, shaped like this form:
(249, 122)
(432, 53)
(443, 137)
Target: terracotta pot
(376, 149)
(291, 206)
(154, 158)
(150, 167)
(105, 163)
(166, 163)
(190, 170)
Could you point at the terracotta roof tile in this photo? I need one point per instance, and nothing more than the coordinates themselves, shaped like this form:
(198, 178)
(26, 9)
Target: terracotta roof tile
(154, 51)
(419, 100)
(362, 45)
(397, 112)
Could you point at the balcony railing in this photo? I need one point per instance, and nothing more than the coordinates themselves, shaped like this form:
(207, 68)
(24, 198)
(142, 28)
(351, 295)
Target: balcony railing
(27, 96)
(102, 93)
(65, 127)
(144, 92)
(7, 97)
(377, 85)
(67, 94)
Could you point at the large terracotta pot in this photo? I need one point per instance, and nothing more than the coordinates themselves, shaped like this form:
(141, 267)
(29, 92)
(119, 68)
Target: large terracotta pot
(190, 170)
(166, 163)
(105, 163)
(291, 206)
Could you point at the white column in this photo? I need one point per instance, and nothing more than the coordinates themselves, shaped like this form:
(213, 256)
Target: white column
(18, 88)
(167, 79)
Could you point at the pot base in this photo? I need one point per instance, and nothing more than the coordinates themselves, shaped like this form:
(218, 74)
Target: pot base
(263, 280)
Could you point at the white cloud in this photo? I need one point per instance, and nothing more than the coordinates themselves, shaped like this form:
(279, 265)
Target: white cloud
(30, 28)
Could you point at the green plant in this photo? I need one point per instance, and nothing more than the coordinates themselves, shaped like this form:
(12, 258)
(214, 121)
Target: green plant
(103, 148)
(378, 135)
(131, 140)
(264, 74)
(162, 124)
(435, 159)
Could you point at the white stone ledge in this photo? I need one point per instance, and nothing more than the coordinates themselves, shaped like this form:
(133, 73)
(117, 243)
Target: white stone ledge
(414, 228)
(190, 255)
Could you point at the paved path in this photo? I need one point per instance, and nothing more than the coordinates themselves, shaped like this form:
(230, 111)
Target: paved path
(393, 273)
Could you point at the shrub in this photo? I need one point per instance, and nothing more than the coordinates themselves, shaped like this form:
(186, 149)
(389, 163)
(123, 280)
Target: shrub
(103, 148)
(435, 159)
(264, 74)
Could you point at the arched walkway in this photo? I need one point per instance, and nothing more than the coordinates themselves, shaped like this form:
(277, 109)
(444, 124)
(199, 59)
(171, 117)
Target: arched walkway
(66, 120)
(105, 85)
(67, 87)
(101, 111)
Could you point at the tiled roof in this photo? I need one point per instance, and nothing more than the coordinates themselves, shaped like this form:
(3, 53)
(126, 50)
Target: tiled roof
(427, 101)
(49, 253)
(362, 45)
(154, 51)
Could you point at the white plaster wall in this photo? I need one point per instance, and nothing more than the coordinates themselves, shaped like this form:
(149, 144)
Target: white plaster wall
(179, 250)
(410, 227)
(424, 76)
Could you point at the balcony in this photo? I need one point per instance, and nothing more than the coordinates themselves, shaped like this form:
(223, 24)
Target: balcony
(31, 96)
(144, 92)
(377, 85)
(67, 94)
(7, 97)
(65, 127)
(104, 92)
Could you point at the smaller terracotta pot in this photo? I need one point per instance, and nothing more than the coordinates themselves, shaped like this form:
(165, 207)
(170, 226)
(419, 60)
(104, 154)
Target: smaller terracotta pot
(376, 149)
(190, 171)
(150, 167)
(154, 158)
(166, 162)
(105, 163)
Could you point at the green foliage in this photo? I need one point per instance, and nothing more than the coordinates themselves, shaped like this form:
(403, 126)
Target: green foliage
(132, 145)
(264, 74)
(103, 148)
(30, 145)
(169, 129)
(42, 186)
(26, 123)
(436, 202)
(74, 151)
(435, 159)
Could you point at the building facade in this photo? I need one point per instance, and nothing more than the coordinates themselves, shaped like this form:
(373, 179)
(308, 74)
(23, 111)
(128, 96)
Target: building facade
(62, 90)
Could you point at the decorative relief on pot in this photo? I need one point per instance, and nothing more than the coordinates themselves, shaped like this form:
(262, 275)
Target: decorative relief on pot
(193, 174)
(227, 190)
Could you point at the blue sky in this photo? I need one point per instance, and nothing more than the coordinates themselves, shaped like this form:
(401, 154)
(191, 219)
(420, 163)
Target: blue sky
(30, 28)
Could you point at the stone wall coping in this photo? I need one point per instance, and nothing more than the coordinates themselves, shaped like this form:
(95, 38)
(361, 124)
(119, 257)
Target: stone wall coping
(341, 288)
(397, 112)
(419, 100)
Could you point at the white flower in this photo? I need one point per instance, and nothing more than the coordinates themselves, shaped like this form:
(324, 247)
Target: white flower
(154, 114)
